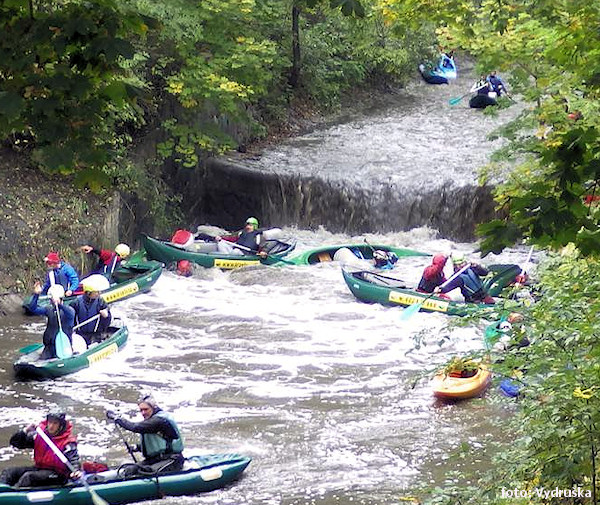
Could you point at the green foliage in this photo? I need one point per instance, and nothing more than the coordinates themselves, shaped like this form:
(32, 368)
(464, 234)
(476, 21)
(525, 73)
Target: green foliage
(63, 89)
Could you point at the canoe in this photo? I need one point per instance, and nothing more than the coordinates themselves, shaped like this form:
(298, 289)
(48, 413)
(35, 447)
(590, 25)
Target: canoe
(29, 366)
(200, 253)
(361, 251)
(135, 276)
(482, 101)
(448, 387)
(373, 287)
(200, 474)
(432, 76)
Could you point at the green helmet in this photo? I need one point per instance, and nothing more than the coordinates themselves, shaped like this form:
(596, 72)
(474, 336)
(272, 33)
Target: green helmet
(253, 221)
(458, 258)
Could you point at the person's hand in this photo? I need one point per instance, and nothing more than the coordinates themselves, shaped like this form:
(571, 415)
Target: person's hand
(68, 292)
(104, 313)
(76, 475)
(218, 239)
(437, 289)
(87, 249)
(111, 415)
(37, 288)
(263, 254)
(30, 428)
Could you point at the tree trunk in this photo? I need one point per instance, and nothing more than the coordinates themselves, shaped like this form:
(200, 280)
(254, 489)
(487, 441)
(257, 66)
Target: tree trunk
(294, 78)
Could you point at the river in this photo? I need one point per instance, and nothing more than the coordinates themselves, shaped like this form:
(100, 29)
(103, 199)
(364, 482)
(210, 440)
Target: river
(329, 396)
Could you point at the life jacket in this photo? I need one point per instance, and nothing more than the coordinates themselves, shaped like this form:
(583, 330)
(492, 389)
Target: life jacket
(85, 308)
(472, 288)
(109, 260)
(248, 239)
(60, 276)
(433, 275)
(153, 444)
(182, 237)
(43, 456)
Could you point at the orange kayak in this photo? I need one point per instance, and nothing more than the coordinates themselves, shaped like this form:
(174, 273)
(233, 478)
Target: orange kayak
(448, 387)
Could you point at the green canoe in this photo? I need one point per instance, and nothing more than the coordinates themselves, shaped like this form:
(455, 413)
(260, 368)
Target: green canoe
(373, 287)
(29, 366)
(134, 277)
(200, 474)
(200, 253)
(361, 251)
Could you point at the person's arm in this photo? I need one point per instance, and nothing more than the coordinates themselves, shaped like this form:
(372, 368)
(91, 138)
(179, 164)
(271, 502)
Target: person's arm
(479, 270)
(23, 439)
(457, 282)
(69, 313)
(71, 453)
(154, 424)
(73, 278)
(34, 308)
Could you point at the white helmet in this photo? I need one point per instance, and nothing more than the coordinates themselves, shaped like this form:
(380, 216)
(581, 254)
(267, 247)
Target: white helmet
(122, 250)
(56, 292)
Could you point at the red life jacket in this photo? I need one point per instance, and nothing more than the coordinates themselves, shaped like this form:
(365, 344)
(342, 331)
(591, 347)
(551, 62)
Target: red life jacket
(43, 456)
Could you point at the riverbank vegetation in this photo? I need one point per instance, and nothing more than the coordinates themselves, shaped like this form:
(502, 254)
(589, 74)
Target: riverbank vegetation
(550, 199)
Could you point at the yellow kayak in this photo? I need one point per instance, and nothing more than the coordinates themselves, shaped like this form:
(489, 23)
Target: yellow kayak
(448, 387)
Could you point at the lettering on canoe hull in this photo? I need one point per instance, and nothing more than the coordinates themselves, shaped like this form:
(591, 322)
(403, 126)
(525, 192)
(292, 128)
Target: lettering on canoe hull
(408, 299)
(122, 292)
(104, 353)
(231, 264)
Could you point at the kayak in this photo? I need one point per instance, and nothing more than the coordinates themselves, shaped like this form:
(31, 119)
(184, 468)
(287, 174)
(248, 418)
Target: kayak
(204, 253)
(373, 287)
(200, 474)
(432, 75)
(29, 366)
(482, 101)
(129, 279)
(361, 251)
(448, 387)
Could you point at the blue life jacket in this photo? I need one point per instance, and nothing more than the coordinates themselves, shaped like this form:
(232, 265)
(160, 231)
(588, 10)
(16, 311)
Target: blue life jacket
(472, 286)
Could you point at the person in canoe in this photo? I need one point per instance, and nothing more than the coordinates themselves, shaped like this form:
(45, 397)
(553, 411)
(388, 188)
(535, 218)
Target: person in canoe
(497, 85)
(53, 312)
(108, 260)
(248, 240)
(59, 272)
(433, 275)
(47, 470)
(161, 442)
(92, 308)
(384, 260)
(468, 281)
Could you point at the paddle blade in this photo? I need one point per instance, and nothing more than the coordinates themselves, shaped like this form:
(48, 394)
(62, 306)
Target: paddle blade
(63, 346)
(30, 348)
(410, 311)
(454, 101)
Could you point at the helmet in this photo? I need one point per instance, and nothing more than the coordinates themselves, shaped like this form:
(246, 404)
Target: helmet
(253, 221)
(56, 292)
(379, 255)
(184, 267)
(95, 282)
(458, 258)
(122, 250)
(58, 415)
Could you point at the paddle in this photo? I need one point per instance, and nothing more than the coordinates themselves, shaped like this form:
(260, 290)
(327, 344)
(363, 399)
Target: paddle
(96, 499)
(129, 448)
(244, 248)
(30, 348)
(410, 311)
(454, 101)
(62, 345)
(77, 326)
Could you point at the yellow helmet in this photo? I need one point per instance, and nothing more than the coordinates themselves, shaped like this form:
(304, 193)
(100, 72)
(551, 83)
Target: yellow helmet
(122, 250)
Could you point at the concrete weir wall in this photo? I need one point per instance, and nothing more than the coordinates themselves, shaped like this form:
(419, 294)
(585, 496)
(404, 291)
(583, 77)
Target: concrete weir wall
(224, 192)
